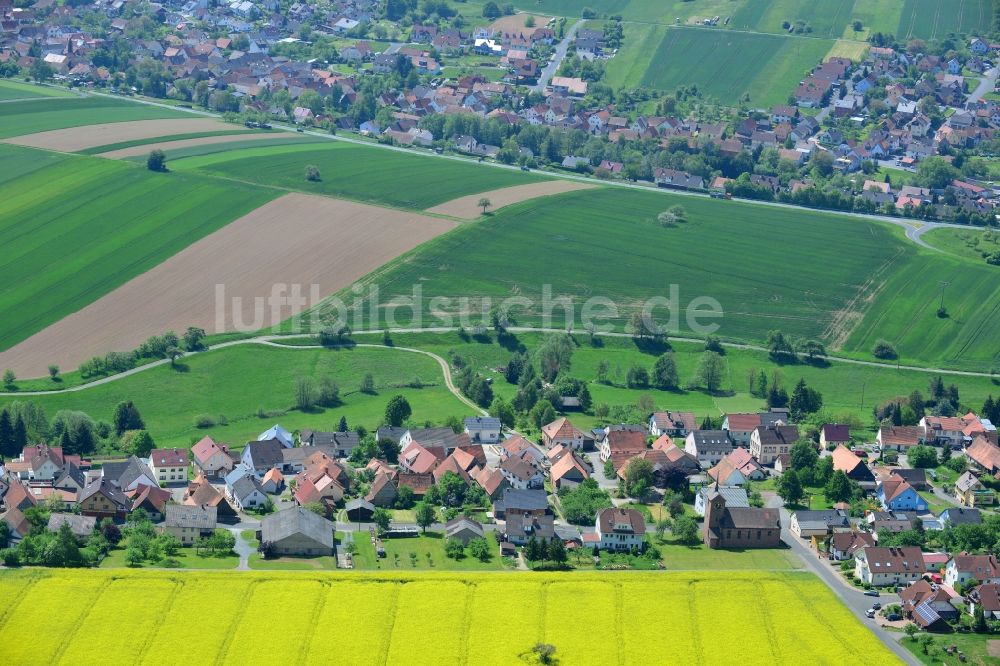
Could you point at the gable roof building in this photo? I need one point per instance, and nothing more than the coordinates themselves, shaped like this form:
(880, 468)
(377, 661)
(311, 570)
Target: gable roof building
(297, 531)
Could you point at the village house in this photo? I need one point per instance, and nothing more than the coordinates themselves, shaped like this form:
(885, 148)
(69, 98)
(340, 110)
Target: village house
(895, 494)
(842, 546)
(201, 492)
(620, 529)
(103, 499)
(806, 524)
(213, 460)
(889, 566)
(927, 604)
(169, 465)
(673, 424)
(190, 523)
(899, 438)
(767, 443)
(834, 434)
(971, 492)
(562, 431)
(854, 467)
(962, 568)
(708, 446)
(464, 529)
(339, 444)
(483, 429)
(569, 470)
(953, 516)
(521, 474)
(81, 526)
(128, 474)
(278, 433)
(987, 597)
(620, 445)
(243, 489)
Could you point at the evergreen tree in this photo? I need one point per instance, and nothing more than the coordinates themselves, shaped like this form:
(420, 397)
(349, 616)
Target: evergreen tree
(585, 400)
(6, 435)
(342, 426)
(127, 417)
(937, 389)
(20, 434)
(917, 403)
(897, 414)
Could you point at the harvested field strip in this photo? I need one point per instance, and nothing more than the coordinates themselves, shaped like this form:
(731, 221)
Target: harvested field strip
(403, 179)
(180, 142)
(295, 240)
(428, 624)
(468, 207)
(73, 140)
(98, 150)
(41, 115)
(81, 227)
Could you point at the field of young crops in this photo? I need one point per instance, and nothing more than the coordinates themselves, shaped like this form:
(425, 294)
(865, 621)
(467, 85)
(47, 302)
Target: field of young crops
(10, 90)
(169, 617)
(723, 64)
(74, 228)
(28, 117)
(358, 172)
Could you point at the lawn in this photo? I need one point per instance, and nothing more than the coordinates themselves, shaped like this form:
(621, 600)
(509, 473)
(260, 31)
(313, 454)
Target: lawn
(48, 114)
(10, 89)
(188, 558)
(81, 226)
(972, 646)
(429, 551)
(445, 618)
(237, 382)
(364, 173)
(723, 64)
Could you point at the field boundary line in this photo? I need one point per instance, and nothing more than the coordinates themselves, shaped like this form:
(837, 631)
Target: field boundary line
(695, 625)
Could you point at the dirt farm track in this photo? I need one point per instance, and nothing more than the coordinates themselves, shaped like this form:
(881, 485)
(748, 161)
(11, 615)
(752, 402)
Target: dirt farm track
(295, 239)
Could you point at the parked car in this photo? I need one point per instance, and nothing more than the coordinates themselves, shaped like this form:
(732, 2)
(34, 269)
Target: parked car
(869, 613)
(871, 593)
(894, 617)
(876, 606)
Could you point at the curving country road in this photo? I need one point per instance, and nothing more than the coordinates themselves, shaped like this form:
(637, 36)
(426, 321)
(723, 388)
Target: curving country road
(553, 65)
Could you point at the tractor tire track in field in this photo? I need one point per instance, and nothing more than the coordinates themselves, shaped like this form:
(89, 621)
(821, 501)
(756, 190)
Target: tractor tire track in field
(393, 610)
(242, 608)
(807, 604)
(12, 607)
(773, 642)
(692, 602)
(463, 641)
(67, 640)
(983, 321)
(306, 643)
(151, 636)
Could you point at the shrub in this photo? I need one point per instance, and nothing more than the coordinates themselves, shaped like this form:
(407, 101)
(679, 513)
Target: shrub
(885, 350)
(312, 173)
(203, 421)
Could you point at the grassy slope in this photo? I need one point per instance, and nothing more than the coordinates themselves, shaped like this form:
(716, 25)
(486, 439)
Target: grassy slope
(359, 172)
(236, 382)
(841, 384)
(49, 114)
(963, 243)
(607, 243)
(81, 226)
(724, 64)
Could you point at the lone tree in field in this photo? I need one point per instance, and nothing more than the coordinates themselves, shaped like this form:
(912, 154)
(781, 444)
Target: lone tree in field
(9, 378)
(312, 173)
(484, 203)
(156, 161)
(54, 372)
(397, 411)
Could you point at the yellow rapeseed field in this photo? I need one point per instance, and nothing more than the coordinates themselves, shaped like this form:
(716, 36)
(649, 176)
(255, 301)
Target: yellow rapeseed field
(426, 619)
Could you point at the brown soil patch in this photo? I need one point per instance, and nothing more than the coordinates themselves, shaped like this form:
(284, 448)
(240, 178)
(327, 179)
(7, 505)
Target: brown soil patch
(72, 139)
(135, 151)
(298, 239)
(515, 23)
(993, 648)
(468, 208)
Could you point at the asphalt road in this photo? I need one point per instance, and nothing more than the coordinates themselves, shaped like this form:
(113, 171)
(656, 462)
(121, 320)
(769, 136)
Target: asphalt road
(986, 85)
(553, 65)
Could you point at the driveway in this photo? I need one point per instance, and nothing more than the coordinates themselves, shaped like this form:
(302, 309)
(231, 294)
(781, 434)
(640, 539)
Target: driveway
(553, 65)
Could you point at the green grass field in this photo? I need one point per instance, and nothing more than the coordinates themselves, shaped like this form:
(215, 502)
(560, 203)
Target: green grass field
(49, 114)
(250, 142)
(75, 617)
(737, 253)
(827, 18)
(723, 64)
(964, 243)
(17, 90)
(238, 381)
(78, 227)
(358, 172)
